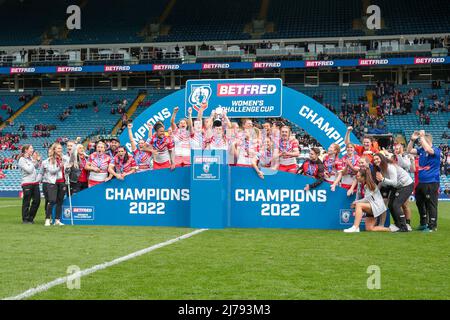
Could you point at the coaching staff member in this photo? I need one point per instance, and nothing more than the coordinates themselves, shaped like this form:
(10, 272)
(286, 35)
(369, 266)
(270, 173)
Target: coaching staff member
(29, 163)
(428, 187)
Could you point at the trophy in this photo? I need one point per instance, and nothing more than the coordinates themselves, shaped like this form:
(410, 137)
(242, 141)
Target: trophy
(218, 115)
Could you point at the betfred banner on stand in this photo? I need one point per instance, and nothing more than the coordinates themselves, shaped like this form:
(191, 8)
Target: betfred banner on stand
(253, 98)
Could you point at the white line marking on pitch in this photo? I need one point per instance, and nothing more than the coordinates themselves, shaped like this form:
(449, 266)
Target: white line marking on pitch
(44, 287)
(16, 205)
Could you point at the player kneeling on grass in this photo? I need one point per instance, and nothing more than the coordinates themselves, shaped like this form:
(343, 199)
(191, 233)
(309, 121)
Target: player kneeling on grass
(371, 205)
(162, 149)
(122, 165)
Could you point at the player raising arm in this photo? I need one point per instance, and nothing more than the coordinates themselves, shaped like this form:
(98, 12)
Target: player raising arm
(181, 138)
(162, 148)
(143, 158)
(368, 149)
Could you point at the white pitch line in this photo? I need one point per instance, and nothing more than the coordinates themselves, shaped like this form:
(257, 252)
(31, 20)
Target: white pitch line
(44, 287)
(15, 205)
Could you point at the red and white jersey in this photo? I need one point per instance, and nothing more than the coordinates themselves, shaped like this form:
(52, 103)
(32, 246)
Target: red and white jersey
(265, 158)
(248, 150)
(332, 166)
(196, 141)
(162, 147)
(122, 167)
(287, 146)
(143, 159)
(102, 162)
(217, 143)
(182, 140)
(348, 178)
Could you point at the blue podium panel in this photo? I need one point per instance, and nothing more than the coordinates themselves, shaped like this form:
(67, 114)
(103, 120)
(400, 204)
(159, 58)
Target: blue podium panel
(279, 201)
(150, 198)
(209, 189)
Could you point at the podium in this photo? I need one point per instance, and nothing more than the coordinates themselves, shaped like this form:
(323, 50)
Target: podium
(210, 189)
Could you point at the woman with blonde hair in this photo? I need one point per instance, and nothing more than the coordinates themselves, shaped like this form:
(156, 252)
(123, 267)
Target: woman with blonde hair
(54, 186)
(266, 157)
(78, 173)
(333, 165)
(97, 165)
(350, 167)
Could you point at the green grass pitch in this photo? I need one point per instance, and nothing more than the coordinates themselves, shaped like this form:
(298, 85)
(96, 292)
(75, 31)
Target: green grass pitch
(223, 264)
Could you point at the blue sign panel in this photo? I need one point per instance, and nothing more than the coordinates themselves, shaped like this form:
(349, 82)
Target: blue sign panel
(315, 119)
(279, 201)
(150, 198)
(210, 195)
(239, 97)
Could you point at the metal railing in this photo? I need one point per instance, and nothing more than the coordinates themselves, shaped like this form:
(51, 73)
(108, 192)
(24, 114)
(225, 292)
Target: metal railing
(49, 57)
(153, 55)
(105, 56)
(346, 50)
(281, 52)
(219, 54)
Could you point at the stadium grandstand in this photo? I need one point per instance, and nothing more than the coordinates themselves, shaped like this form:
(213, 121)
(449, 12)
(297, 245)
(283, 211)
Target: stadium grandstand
(58, 84)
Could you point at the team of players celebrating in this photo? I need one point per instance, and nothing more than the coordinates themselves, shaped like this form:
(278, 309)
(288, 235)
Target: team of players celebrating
(379, 179)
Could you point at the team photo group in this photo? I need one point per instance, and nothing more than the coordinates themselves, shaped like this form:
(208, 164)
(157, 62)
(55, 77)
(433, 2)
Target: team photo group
(381, 181)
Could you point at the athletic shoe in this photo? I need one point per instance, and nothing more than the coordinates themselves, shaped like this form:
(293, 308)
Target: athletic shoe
(394, 228)
(58, 223)
(409, 227)
(429, 230)
(422, 227)
(351, 229)
(47, 223)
